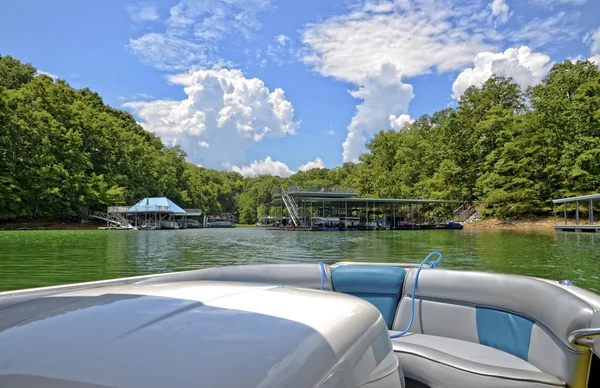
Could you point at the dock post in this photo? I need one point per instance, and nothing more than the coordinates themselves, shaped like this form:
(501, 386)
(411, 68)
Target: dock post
(576, 212)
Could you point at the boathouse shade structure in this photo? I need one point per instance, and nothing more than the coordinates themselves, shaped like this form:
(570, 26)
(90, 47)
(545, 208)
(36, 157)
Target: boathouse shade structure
(156, 205)
(585, 200)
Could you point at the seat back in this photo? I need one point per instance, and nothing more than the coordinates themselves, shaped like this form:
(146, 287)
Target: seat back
(379, 285)
(295, 275)
(523, 316)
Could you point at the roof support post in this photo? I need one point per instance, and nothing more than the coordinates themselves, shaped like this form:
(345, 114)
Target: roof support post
(591, 210)
(565, 213)
(576, 212)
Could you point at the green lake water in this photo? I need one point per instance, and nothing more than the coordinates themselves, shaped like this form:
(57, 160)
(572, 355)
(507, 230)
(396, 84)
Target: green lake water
(43, 258)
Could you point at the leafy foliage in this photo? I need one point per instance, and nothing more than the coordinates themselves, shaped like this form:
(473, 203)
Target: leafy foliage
(63, 151)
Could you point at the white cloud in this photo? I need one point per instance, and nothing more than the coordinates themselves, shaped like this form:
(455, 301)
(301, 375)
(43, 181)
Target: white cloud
(417, 37)
(385, 99)
(268, 166)
(377, 42)
(317, 163)
(397, 123)
(264, 167)
(282, 39)
(595, 59)
(525, 67)
(558, 28)
(224, 110)
(140, 13)
(500, 10)
(185, 79)
(194, 30)
(331, 132)
(593, 40)
(282, 50)
(169, 52)
(53, 76)
(136, 97)
(552, 3)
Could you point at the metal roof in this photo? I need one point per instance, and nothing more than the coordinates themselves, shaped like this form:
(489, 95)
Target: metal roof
(156, 205)
(580, 198)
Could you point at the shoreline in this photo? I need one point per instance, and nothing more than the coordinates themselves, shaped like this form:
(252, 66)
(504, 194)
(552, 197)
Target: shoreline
(50, 225)
(531, 223)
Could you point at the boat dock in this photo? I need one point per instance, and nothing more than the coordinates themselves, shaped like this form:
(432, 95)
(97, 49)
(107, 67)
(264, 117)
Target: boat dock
(327, 209)
(584, 213)
(149, 214)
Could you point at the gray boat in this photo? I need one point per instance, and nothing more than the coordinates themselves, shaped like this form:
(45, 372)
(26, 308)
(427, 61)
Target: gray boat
(303, 325)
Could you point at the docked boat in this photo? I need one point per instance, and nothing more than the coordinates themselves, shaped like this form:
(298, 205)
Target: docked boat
(304, 325)
(118, 227)
(219, 224)
(327, 224)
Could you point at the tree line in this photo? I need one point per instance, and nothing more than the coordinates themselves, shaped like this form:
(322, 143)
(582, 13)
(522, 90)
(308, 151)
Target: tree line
(64, 152)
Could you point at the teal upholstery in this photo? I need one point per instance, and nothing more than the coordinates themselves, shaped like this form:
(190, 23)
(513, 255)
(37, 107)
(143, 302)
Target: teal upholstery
(504, 331)
(379, 285)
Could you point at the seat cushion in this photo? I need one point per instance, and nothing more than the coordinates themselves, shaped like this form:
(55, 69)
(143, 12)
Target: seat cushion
(379, 285)
(447, 362)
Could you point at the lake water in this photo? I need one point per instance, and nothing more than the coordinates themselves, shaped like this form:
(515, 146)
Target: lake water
(43, 258)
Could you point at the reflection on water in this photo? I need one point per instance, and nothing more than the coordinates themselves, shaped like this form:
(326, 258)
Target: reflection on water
(41, 258)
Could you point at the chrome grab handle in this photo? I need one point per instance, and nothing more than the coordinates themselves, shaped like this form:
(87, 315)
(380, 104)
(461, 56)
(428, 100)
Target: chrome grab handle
(584, 336)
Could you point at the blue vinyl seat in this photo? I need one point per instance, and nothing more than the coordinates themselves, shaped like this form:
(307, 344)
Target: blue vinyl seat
(379, 285)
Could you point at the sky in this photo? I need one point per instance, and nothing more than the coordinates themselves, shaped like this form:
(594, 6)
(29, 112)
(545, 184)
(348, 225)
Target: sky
(276, 87)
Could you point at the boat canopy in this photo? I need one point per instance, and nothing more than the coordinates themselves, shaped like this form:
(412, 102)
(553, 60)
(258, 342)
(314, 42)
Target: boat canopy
(156, 205)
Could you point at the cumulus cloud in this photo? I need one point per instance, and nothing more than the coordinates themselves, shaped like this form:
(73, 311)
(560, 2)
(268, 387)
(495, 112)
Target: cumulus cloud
(500, 10)
(378, 41)
(142, 12)
(224, 114)
(193, 31)
(417, 36)
(399, 122)
(317, 163)
(524, 66)
(269, 166)
(385, 101)
(264, 167)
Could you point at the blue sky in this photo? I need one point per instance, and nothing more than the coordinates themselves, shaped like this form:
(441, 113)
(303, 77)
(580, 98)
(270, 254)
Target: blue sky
(271, 87)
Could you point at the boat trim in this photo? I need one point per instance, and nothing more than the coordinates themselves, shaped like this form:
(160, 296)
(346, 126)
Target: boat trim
(584, 336)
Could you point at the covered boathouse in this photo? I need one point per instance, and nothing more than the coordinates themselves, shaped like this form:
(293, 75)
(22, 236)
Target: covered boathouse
(155, 213)
(333, 208)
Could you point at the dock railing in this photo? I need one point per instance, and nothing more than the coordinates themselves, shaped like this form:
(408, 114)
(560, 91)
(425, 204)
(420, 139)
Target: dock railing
(464, 212)
(297, 189)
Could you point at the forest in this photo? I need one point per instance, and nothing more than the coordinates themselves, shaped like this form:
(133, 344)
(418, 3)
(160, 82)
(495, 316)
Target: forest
(64, 152)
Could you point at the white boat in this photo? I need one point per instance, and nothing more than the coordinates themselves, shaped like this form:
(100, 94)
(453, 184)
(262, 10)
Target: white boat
(122, 227)
(303, 325)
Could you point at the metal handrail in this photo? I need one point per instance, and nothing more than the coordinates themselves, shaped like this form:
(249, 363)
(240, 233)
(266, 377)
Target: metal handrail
(584, 336)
